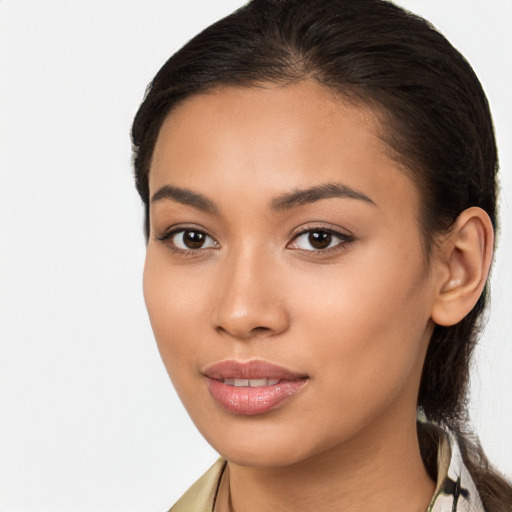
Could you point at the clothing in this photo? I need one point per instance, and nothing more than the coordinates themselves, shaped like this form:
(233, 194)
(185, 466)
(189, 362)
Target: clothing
(201, 496)
(455, 489)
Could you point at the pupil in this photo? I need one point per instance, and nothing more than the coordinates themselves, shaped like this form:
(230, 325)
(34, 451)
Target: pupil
(193, 239)
(320, 239)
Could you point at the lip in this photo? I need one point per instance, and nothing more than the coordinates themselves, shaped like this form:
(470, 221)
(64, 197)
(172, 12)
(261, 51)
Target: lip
(253, 369)
(252, 400)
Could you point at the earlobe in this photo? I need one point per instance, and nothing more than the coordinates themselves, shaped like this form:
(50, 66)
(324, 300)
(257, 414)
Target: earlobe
(465, 256)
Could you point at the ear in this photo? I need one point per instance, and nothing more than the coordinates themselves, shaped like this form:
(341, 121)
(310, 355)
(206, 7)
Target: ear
(464, 260)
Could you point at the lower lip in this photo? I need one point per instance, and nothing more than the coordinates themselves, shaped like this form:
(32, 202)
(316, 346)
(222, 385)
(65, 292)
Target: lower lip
(250, 401)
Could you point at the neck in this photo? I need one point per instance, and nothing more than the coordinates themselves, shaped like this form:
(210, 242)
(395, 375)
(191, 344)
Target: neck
(380, 469)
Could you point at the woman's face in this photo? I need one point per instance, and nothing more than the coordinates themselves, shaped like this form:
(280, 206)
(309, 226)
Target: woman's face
(285, 276)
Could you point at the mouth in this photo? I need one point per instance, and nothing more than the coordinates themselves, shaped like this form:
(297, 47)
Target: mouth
(252, 387)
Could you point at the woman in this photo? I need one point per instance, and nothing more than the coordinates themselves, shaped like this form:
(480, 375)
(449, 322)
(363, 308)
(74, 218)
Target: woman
(320, 187)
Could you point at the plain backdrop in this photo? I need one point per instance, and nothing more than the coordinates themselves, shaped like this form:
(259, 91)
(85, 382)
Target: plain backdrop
(88, 418)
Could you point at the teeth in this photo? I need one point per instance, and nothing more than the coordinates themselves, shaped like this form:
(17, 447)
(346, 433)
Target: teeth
(253, 383)
(257, 382)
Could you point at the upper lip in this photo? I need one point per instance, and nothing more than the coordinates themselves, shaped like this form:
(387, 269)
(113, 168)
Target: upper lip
(254, 369)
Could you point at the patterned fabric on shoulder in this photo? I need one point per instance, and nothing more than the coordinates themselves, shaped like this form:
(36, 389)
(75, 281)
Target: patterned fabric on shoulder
(455, 489)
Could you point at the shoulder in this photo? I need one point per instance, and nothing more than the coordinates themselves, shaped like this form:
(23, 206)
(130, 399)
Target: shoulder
(455, 488)
(200, 497)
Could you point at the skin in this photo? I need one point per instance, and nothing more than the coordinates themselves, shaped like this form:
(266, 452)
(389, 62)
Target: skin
(355, 318)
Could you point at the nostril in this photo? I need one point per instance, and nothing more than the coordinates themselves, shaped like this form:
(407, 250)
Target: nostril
(254, 332)
(259, 330)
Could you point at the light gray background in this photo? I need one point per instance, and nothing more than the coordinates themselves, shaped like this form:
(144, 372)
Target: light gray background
(88, 418)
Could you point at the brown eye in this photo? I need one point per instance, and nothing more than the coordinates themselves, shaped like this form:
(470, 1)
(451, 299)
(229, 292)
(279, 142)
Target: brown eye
(191, 239)
(320, 239)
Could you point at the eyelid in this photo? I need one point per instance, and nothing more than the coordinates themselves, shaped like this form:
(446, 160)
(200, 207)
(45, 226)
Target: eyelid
(171, 231)
(345, 237)
(176, 228)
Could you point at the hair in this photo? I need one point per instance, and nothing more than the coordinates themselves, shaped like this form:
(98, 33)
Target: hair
(435, 118)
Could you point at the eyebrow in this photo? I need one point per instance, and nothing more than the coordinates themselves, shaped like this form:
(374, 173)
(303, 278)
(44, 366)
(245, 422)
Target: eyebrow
(311, 195)
(186, 197)
(283, 202)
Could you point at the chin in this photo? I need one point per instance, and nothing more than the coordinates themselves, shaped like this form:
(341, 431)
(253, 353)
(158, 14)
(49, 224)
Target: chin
(255, 443)
(263, 456)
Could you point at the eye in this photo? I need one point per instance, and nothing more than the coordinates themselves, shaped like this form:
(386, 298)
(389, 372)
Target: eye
(189, 239)
(319, 240)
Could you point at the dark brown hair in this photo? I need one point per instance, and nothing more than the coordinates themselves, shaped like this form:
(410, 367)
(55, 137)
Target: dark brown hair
(436, 120)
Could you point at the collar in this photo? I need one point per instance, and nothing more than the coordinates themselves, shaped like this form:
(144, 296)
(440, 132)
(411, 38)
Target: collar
(455, 489)
(201, 496)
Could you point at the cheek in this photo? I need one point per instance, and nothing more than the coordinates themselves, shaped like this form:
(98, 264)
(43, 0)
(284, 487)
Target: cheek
(174, 306)
(369, 323)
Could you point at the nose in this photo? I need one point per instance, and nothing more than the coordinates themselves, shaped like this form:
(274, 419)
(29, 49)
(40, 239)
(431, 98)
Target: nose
(250, 302)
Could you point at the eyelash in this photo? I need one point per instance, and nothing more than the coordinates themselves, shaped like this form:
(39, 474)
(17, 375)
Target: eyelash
(344, 240)
(168, 235)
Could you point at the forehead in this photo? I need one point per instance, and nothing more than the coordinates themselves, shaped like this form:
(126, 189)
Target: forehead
(271, 138)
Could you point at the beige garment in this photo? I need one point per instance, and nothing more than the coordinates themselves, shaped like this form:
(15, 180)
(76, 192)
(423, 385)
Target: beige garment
(201, 496)
(455, 489)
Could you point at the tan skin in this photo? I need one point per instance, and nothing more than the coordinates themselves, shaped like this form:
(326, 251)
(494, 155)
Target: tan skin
(355, 314)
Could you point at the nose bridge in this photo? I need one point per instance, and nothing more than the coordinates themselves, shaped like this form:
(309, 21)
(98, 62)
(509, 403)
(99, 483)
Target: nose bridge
(248, 301)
